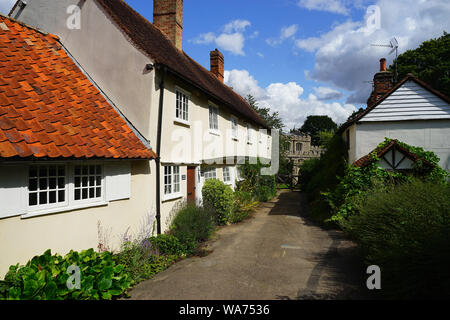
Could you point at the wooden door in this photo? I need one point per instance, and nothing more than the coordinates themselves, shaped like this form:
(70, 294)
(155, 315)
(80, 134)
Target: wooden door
(191, 184)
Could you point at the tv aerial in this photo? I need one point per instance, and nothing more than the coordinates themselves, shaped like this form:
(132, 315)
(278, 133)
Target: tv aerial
(393, 44)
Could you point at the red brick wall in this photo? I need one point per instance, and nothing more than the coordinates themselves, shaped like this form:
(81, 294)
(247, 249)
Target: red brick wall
(168, 17)
(217, 64)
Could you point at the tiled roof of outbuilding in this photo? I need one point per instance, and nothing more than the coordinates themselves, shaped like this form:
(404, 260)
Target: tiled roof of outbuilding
(50, 109)
(148, 38)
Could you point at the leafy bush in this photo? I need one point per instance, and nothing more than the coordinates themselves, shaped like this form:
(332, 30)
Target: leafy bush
(359, 181)
(142, 260)
(262, 187)
(243, 205)
(266, 188)
(405, 229)
(193, 225)
(45, 277)
(318, 176)
(218, 196)
(167, 244)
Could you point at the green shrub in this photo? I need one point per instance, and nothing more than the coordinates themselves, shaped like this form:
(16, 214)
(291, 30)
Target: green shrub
(262, 187)
(45, 278)
(167, 244)
(308, 169)
(219, 196)
(357, 181)
(322, 175)
(266, 188)
(405, 230)
(243, 205)
(142, 260)
(193, 225)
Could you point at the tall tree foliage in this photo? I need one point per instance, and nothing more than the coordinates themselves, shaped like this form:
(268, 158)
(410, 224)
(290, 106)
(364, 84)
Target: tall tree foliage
(316, 124)
(430, 62)
(274, 121)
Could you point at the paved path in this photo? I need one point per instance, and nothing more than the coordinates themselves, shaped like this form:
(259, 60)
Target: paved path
(279, 254)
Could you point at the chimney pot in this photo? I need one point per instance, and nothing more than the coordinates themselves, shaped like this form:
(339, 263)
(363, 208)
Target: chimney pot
(168, 17)
(382, 64)
(217, 64)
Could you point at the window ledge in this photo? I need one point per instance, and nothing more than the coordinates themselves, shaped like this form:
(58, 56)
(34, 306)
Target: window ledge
(215, 132)
(64, 209)
(235, 139)
(170, 197)
(182, 122)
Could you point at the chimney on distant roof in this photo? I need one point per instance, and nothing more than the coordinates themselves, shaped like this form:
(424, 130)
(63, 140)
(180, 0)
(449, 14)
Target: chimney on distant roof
(382, 64)
(383, 82)
(217, 64)
(168, 17)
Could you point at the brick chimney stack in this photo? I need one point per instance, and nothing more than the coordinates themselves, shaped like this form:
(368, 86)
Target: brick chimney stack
(383, 82)
(168, 17)
(217, 64)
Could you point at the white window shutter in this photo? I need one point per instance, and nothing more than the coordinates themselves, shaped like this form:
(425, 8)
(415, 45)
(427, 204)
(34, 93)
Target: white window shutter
(13, 191)
(118, 181)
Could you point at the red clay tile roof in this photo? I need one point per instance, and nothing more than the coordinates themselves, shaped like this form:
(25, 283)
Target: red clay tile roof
(398, 85)
(49, 108)
(393, 144)
(148, 38)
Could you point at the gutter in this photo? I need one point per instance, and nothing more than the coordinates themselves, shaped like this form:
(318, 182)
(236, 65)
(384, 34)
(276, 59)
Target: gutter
(158, 147)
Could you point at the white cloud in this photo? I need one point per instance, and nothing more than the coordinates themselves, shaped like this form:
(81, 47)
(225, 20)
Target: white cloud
(6, 6)
(205, 38)
(286, 98)
(232, 38)
(285, 33)
(232, 42)
(236, 26)
(335, 6)
(325, 93)
(260, 54)
(344, 56)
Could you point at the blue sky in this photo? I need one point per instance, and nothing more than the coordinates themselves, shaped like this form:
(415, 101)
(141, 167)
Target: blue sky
(303, 57)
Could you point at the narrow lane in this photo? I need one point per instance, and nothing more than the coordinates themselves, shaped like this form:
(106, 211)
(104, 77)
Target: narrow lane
(279, 254)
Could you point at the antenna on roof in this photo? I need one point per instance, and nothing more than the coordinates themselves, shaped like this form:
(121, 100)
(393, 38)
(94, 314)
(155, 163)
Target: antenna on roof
(393, 44)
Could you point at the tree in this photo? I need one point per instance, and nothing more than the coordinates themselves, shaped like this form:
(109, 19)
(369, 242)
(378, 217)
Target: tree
(274, 121)
(315, 124)
(430, 62)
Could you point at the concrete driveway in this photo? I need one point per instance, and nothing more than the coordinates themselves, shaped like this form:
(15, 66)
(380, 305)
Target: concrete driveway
(279, 254)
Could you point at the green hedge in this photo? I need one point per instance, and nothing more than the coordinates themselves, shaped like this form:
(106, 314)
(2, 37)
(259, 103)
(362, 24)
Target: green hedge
(405, 230)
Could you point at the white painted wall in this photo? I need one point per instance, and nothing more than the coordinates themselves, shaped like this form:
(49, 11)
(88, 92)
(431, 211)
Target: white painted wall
(21, 239)
(432, 135)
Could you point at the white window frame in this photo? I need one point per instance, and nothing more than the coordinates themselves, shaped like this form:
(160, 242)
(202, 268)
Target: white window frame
(183, 119)
(47, 206)
(70, 203)
(174, 173)
(230, 178)
(209, 173)
(234, 128)
(213, 112)
(249, 134)
(73, 188)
